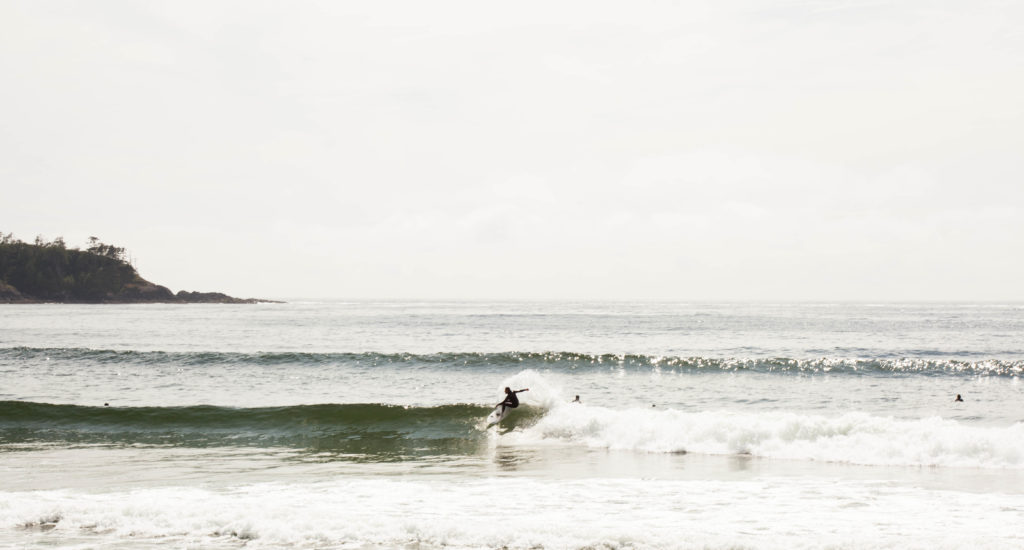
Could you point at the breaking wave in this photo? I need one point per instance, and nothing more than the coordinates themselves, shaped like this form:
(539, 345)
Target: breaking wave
(504, 361)
(387, 432)
(853, 438)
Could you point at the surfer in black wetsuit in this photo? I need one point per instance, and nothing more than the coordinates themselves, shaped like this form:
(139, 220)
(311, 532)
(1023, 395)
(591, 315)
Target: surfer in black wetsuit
(511, 401)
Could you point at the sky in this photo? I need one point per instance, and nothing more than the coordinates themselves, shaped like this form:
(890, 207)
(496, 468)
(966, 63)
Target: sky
(550, 150)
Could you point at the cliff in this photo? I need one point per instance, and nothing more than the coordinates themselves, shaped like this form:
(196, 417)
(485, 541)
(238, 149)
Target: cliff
(51, 272)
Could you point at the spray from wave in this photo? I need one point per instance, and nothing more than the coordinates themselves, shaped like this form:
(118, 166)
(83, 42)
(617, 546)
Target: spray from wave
(854, 438)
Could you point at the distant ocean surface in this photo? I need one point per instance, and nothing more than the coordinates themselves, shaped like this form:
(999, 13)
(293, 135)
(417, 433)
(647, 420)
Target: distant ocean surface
(359, 425)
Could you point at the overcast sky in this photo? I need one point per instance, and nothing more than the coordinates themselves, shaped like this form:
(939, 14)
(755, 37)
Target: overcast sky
(720, 150)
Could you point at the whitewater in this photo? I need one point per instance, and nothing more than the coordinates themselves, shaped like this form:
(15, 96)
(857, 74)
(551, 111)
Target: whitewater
(360, 425)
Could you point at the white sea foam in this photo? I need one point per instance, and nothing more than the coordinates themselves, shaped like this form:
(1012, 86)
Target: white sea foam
(537, 482)
(856, 438)
(517, 513)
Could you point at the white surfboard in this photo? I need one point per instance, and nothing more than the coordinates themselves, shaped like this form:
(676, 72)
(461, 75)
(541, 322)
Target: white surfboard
(497, 415)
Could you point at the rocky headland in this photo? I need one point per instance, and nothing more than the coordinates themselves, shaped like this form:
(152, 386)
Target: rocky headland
(51, 272)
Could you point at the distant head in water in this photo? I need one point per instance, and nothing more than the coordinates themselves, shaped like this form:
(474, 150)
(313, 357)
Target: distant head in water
(958, 398)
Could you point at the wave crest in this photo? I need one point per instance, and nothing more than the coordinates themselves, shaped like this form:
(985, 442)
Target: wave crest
(557, 361)
(854, 438)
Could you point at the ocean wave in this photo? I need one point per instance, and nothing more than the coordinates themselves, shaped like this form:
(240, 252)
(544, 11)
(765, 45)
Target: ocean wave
(852, 438)
(516, 513)
(553, 361)
(387, 432)
(366, 429)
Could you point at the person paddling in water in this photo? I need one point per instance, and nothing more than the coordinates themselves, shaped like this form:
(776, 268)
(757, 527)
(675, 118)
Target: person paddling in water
(511, 401)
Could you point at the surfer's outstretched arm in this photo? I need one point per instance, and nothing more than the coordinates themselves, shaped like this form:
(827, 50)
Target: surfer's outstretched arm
(510, 398)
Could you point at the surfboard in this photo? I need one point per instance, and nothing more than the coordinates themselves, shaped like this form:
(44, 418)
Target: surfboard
(497, 415)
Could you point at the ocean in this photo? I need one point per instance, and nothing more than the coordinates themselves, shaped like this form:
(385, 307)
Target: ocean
(359, 425)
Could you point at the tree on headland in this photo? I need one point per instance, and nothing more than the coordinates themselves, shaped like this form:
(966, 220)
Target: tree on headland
(49, 270)
(108, 250)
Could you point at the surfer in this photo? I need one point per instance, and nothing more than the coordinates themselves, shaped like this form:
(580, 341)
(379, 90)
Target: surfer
(511, 401)
(958, 399)
(577, 400)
